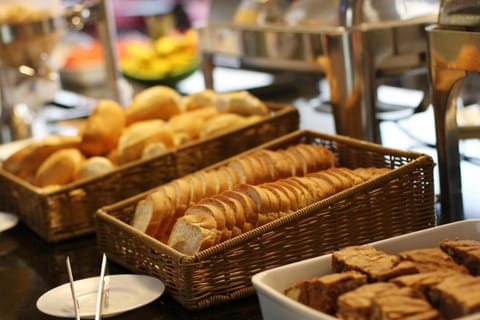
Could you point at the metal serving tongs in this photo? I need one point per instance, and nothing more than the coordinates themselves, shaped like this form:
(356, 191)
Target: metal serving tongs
(76, 307)
(103, 290)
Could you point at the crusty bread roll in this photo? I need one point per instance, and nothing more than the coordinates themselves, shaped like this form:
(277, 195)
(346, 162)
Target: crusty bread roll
(94, 166)
(141, 134)
(242, 103)
(59, 168)
(192, 122)
(102, 128)
(222, 123)
(198, 100)
(157, 102)
(25, 162)
(153, 149)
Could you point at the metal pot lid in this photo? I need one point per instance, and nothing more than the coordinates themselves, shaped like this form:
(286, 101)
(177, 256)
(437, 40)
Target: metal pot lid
(462, 13)
(375, 11)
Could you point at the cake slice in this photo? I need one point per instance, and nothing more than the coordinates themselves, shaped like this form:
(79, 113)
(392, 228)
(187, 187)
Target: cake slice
(457, 295)
(356, 304)
(402, 304)
(464, 252)
(423, 281)
(376, 264)
(431, 259)
(321, 292)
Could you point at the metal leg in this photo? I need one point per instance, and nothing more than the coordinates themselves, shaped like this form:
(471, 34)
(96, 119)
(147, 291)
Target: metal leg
(352, 97)
(446, 80)
(207, 69)
(108, 35)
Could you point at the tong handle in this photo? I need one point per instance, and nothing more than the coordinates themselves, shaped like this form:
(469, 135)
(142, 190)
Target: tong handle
(101, 289)
(76, 306)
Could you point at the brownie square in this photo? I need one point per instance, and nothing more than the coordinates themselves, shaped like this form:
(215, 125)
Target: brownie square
(431, 259)
(464, 252)
(321, 292)
(457, 295)
(404, 304)
(376, 264)
(356, 304)
(423, 281)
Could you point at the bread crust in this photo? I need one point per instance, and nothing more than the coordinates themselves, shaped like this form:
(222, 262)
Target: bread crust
(191, 123)
(102, 128)
(94, 166)
(144, 218)
(138, 136)
(193, 233)
(25, 162)
(59, 168)
(244, 194)
(157, 102)
(241, 102)
(198, 100)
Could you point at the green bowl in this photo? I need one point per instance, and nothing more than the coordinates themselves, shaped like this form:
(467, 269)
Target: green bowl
(170, 79)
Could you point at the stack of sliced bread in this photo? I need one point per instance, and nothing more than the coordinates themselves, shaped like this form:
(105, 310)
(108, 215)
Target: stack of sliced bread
(200, 210)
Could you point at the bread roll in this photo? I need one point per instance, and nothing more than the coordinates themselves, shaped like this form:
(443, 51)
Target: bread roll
(242, 103)
(198, 100)
(136, 137)
(192, 122)
(59, 168)
(25, 162)
(103, 128)
(223, 122)
(94, 166)
(157, 102)
(153, 149)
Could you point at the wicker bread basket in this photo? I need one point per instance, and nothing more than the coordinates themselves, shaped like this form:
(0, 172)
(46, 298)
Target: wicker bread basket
(395, 203)
(69, 211)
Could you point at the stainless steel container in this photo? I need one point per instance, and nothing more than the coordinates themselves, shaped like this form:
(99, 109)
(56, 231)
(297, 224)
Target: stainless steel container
(25, 47)
(453, 52)
(352, 48)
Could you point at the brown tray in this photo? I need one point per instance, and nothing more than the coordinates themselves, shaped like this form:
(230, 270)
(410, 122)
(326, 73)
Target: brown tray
(69, 211)
(392, 204)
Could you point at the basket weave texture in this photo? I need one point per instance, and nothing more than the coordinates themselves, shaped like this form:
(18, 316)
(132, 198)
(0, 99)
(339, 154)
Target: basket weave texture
(69, 211)
(392, 204)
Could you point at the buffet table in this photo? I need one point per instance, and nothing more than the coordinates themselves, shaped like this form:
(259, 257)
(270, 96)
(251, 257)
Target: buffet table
(29, 267)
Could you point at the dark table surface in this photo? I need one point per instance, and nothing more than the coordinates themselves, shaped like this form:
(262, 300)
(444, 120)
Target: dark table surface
(29, 267)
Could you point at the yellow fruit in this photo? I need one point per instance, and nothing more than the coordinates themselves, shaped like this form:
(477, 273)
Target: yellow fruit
(169, 45)
(168, 56)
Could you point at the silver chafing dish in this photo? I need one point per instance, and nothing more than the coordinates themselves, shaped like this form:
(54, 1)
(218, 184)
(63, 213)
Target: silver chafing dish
(454, 53)
(25, 48)
(360, 42)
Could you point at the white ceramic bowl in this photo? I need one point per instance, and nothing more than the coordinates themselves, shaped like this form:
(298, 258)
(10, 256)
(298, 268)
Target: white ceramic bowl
(270, 284)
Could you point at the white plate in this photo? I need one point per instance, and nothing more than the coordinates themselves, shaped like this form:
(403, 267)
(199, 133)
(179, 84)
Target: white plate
(7, 221)
(270, 284)
(127, 292)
